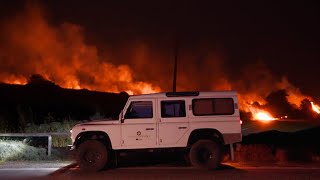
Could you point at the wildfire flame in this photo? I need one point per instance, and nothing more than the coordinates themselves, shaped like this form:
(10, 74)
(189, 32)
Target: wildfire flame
(261, 115)
(264, 116)
(315, 107)
(15, 80)
(60, 54)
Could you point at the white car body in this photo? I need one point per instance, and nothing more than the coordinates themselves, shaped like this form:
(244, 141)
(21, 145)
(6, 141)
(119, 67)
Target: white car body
(163, 132)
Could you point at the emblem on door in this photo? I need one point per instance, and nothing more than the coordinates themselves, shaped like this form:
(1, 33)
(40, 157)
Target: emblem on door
(138, 133)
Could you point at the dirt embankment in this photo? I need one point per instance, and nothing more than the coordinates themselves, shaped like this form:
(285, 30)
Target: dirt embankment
(275, 146)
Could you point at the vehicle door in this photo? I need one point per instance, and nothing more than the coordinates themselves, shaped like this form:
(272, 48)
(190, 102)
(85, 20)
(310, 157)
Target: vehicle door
(138, 128)
(173, 123)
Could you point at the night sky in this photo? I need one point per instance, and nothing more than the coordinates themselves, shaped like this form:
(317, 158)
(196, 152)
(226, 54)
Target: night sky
(283, 36)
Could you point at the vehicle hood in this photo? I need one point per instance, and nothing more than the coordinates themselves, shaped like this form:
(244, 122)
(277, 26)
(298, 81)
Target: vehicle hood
(99, 122)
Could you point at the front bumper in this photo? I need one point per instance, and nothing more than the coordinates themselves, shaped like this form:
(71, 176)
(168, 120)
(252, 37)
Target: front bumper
(71, 147)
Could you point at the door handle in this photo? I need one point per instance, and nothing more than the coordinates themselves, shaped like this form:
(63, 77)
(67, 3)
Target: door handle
(182, 127)
(149, 129)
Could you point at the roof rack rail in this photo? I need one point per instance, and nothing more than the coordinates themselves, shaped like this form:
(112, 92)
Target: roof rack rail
(186, 93)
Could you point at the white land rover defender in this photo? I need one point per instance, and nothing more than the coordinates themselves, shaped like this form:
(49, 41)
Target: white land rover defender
(199, 123)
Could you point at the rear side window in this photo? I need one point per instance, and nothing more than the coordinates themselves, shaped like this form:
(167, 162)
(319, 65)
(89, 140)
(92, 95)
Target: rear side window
(174, 108)
(139, 109)
(212, 106)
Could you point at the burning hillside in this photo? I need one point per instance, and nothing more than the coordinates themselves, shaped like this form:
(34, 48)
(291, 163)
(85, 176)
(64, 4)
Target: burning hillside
(30, 44)
(60, 54)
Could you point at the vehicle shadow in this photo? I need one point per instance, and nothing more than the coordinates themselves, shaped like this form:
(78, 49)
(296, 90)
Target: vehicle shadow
(154, 159)
(142, 159)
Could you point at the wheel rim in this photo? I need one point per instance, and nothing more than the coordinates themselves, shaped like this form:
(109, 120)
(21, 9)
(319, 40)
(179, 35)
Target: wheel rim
(205, 155)
(92, 157)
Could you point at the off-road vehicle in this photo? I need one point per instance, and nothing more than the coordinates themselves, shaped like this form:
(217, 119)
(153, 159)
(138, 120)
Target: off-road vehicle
(199, 123)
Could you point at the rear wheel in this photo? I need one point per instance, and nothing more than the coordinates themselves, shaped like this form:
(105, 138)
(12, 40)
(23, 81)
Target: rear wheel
(206, 154)
(92, 155)
(186, 157)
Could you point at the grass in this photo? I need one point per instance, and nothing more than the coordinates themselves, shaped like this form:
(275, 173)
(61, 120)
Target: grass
(19, 151)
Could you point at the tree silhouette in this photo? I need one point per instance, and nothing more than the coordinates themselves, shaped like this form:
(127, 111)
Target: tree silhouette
(277, 102)
(39, 80)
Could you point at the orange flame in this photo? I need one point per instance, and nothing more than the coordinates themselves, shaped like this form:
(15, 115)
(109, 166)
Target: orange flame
(264, 116)
(261, 115)
(315, 108)
(15, 80)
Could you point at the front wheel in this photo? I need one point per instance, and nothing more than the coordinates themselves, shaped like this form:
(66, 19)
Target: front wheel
(206, 154)
(92, 155)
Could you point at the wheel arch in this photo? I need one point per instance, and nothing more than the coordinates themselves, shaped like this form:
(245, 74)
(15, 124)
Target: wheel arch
(97, 135)
(205, 133)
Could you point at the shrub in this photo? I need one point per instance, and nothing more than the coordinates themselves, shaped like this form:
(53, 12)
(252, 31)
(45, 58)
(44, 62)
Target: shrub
(63, 126)
(54, 127)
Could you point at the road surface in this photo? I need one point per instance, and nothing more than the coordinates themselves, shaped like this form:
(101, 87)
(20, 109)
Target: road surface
(168, 172)
(225, 172)
(26, 173)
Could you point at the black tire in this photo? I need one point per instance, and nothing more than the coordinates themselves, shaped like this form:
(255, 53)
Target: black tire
(186, 158)
(206, 154)
(92, 155)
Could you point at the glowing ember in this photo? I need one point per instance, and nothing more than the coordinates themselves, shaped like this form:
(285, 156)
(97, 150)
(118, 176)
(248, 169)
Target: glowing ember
(315, 108)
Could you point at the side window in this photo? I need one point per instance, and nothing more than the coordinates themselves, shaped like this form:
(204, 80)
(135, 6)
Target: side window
(212, 106)
(139, 109)
(174, 108)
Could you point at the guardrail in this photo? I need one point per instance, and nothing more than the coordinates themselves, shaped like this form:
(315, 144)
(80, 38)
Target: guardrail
(49, 135)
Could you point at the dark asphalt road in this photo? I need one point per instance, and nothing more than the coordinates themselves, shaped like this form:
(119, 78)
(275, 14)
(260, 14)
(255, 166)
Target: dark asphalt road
(25, 173)
(225, 172)
(233, 171)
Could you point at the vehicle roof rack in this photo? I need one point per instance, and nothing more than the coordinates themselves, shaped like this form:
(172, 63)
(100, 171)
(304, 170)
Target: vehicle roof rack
(186, 93)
